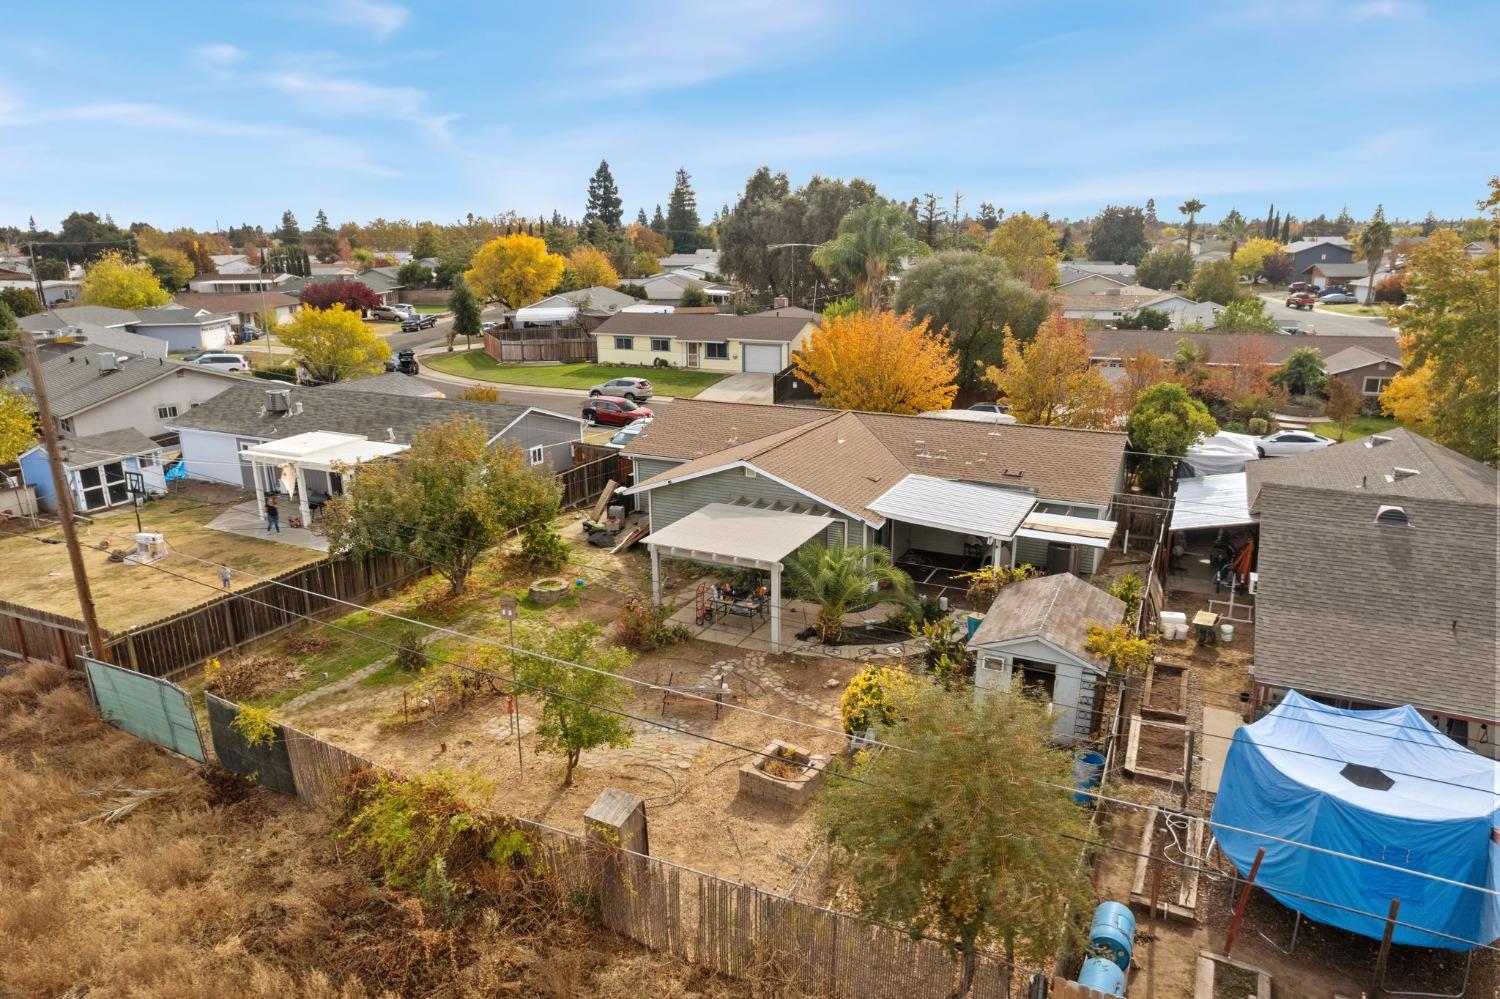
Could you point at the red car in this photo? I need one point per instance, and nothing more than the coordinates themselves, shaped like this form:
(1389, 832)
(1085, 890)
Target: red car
(1301, 300)
(613, 411)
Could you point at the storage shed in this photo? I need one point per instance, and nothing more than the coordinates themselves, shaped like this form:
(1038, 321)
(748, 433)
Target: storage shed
(1035, 632)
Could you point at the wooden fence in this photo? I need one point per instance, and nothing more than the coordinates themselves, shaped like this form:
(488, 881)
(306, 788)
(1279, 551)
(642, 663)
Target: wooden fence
(786, 387)
(540, 345)
(592, 469)
(175, 646)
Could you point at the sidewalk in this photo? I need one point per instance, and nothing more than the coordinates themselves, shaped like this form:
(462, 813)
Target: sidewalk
(432, 374)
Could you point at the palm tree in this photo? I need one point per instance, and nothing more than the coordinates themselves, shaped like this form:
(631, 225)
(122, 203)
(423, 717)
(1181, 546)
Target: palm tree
(871, 239)
(1374, 240)
(1191, 207)
(842, 579)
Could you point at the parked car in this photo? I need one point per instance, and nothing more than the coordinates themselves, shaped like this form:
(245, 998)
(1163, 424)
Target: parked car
(1301, 300)
(989, 407)
(1306, 286)
(405, 362)
(405, 308)
(412, 324)
(1338, 298)
(634, 389)
(613, 411)
(1288, 442)
(222, 362)
(627, 435)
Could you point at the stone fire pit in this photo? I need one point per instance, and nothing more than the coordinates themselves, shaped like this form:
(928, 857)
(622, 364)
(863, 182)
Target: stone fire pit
(547, 591)
(786, 776)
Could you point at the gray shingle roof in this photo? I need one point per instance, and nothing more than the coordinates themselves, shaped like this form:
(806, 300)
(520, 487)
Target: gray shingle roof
(713, 327)
(1353, 270)
(96, 448)
(234, 301)
(178, 315)
(346, 411)
(75, 381)
(1224, 347)
(98, 315)
(1379, 613)
(1057, 609)
(1367, 467)
(390, 383)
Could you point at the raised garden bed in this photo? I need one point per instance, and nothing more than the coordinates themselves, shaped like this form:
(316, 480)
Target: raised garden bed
(786, 776)
(1222, 978)
(1166, 695)
(1177, 889)
(548, 591)
(1157, 750)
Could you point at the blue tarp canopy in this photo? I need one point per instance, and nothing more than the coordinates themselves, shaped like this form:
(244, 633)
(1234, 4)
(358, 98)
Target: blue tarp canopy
(1383, 785)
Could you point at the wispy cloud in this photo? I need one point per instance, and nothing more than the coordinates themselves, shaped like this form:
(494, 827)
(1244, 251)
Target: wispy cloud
(217, 55)
(379, 18)
(347, 95)
(1382, 9)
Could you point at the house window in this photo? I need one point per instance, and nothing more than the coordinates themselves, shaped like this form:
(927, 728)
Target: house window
(661, 345)
(537, 455)
(1375, 386)
(66, 425)
(165, 412)
(624, 343)
(716, 351)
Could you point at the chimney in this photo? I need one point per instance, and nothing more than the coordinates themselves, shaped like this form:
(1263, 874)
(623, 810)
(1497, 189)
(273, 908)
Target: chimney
(278, 400)
(780, 302)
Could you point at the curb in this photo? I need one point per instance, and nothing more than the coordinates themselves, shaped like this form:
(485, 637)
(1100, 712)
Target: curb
(434, 374)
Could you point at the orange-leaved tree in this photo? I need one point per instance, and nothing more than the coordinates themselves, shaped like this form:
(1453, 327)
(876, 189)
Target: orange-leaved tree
(879, 362)
(1050, 381)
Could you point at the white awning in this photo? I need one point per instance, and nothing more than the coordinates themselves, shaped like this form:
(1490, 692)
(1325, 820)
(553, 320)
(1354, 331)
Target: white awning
(737, 535)
(1069, 530)
(1211, 501)
(321, 450)
(546, 314)
(962, 507)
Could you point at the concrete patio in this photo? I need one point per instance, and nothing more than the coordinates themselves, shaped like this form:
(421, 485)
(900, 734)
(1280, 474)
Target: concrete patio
(244, 519)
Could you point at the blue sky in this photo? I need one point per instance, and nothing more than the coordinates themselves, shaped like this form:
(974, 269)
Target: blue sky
(192, 114)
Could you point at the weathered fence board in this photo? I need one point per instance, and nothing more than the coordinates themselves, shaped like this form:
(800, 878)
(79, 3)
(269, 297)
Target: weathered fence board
(593, 467)
(320, 769)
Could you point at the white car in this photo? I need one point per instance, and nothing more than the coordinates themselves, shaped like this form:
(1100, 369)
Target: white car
(221, 361)
(627, 434)
(1287, 442)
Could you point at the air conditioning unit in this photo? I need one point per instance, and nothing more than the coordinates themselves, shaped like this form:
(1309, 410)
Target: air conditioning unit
(108, 361)
(278, 400)
(1254, 583)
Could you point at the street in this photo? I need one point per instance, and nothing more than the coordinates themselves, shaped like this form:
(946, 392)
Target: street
(428, 337)
(1326, 323)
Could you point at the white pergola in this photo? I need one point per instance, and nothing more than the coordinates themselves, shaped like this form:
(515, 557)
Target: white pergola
(727, 534)
(318, 450)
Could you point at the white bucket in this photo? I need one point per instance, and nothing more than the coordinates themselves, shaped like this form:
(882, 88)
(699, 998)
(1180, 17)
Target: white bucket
(1226, 633)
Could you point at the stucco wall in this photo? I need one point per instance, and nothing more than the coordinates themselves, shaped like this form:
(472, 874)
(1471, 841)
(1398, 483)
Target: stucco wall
(184, 389)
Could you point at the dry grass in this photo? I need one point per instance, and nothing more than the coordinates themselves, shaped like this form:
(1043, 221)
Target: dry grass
(216, 887)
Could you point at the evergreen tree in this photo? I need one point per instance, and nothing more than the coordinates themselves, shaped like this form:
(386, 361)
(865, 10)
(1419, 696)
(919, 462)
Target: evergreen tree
(682, 215)
(988, 217)
(604, 199)
(659, 222)
(31, 224)
(1429, 224)
(1344, 222)
(640, 217)
(1286, 229)
(289, 231)
(1268, 230)
(322, 228)
(1151, 211)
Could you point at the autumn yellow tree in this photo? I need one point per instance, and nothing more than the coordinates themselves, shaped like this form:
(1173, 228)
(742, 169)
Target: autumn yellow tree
(590, 268)
(334, 343)
(115, 282)
(1249, 258)
(879, 362)
(1028, 247)
(1050, 381)
(17, 424)
(517, 270)
(1408, 398)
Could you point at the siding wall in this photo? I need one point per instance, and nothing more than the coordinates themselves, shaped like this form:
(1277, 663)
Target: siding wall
(137, 408)
(549, 432)
(1035, 552)
(1073, 691)
(213, 457)
(670, 504)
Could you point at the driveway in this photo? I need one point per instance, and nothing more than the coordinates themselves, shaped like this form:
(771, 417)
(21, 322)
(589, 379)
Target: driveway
(1327, 323)
(748, 386)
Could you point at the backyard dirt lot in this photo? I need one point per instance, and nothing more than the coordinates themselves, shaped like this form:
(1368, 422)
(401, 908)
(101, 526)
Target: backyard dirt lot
(37, 574)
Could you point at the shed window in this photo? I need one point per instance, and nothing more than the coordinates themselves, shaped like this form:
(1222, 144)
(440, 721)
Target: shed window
(661, 344)
(624, 343)
(537, 455)
(716, 351)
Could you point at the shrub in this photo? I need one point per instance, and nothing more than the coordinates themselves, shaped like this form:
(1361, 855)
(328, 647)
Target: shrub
(543, 547)
(250, 676)
(255, 724)
(911, 617)
(1259, 426)
(875, 698)
(278, 373)
(985, 584)
(1128, 588)
(1391, 291)
(947, 652)
(644, 626)
(1118, 646)
(409, 653)
(480, 393)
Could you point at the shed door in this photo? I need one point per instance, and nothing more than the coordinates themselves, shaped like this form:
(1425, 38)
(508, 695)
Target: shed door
(763, 357)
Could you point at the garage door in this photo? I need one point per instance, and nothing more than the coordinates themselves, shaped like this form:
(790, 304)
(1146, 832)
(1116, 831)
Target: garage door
(762, 357)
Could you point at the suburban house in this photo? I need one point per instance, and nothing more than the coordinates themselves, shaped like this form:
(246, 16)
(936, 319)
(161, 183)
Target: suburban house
(87, 336)
(584, 307)
(705, 260)
(1377, 581)
(1479, 249)
(1109, 348)
(233, 263)
(781, 310)
(1111, 304)
(668, 288)
(53, 292)
(1072, 270)
(231, 284)
(711, 342)
(390, 383)
(185, 329)
(1319, 250)
(98, 469)
(1366, 371)
(250, 414)
(1092, 284)
(383, 284)
(95, 315)
(1328, 275)
(96, 391)
(243, 308)
(1035, 635)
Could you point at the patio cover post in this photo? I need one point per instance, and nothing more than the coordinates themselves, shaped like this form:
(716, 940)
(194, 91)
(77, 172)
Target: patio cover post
(260, 490)
(302, 497)
(775, 606)
(655, 576)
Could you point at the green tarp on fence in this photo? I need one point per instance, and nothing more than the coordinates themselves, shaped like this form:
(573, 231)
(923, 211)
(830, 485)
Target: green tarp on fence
(156, 710)
(269, 764)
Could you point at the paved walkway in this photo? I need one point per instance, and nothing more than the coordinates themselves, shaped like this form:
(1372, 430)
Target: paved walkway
(244, 520)
(1219, 726)
(747, 386)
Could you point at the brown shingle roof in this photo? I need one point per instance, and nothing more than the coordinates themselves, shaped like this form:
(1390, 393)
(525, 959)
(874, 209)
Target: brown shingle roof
(1276, 347)
(849, 459)
(1057, 609)
(711, 328)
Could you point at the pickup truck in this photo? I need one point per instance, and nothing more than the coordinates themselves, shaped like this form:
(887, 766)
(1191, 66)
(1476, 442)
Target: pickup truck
(1301, 300)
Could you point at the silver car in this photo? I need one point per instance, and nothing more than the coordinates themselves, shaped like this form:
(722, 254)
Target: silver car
(221, 361)
(1288, 442)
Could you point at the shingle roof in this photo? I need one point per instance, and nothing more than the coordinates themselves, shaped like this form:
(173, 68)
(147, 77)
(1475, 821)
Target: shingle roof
(99, 315)
(1308, 244)
(792, 312)
(1057, 609)
(1108, 302)
(712, 327)
(1367, 467)
(1225, 346)
(241, 410)
(75, 381)
(598, 297)
(1360, 356)
(237, 301)
(849, 459)
(1339, 270)
(1381, 613)
(96, 448)
(390, 383)
(178, 315)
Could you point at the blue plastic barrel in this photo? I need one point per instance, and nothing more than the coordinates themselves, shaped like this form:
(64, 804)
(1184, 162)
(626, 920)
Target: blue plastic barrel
(1104, 975)
(1112, 933)
(1088, 770)
(972, 624)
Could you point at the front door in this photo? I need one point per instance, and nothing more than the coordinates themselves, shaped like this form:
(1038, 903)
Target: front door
(692, 354)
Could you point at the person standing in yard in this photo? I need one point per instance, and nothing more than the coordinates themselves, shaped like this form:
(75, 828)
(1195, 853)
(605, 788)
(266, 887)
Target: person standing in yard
(273, 516)
(225, 576)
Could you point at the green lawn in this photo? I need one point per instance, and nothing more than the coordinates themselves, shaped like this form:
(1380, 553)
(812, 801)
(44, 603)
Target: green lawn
(1353, 310)
(477, 364)
(431, 310)
(1362, 426)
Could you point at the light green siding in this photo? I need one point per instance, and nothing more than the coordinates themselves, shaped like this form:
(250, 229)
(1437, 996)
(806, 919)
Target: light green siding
(671, 503)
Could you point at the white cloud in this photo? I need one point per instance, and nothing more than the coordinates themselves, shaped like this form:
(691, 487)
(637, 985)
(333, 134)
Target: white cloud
(379, 18)
(1382, 9)
(217, 55)
(347, 95)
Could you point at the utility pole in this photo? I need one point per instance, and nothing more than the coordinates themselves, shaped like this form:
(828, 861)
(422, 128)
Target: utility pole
(64, 498)
(41, 294)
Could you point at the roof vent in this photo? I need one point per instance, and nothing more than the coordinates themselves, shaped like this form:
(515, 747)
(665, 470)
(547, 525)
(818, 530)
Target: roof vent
(278, 400)
(1013, 473)
(1393, 516)
(390, 434)
(108, 361)
(1398, 473)
(1375, 440)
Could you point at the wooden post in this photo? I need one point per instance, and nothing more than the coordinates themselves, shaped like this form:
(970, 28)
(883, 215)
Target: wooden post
(1187, 777)
(1155, 928)
(1385, 947)
(1239, 910)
